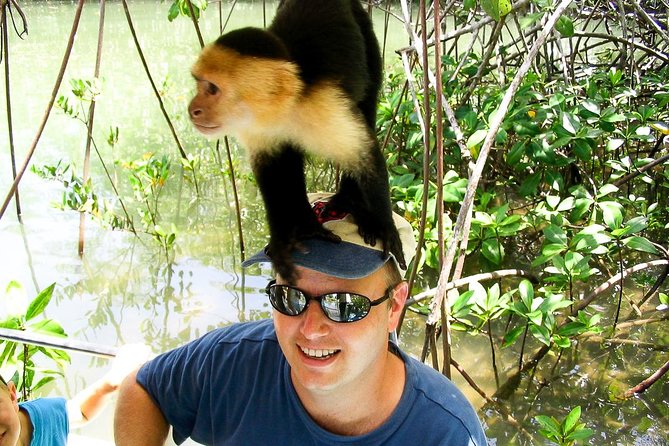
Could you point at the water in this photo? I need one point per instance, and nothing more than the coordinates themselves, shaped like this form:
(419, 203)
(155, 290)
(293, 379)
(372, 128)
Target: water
(123, 291)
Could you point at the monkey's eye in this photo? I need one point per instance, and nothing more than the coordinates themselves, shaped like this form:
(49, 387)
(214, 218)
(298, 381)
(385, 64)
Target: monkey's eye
(211, 88)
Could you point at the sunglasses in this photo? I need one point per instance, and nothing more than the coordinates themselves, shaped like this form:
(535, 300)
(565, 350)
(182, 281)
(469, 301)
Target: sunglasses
(337, 306)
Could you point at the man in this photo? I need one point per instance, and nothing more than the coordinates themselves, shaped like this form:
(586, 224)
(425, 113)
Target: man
(322, 372)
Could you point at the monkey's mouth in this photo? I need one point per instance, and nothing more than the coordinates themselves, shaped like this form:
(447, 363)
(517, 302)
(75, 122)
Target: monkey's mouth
(207, 129)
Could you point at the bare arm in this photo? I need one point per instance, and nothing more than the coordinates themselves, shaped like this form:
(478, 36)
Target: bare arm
(92, 400)
(89, 402)
(137, 420)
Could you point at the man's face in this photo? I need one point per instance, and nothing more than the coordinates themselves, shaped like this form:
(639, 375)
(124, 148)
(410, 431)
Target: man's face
(327, 356)
(10, 426)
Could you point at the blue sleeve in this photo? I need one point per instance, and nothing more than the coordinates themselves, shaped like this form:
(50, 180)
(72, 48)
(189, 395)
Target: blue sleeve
(49, 419)
(175, 382)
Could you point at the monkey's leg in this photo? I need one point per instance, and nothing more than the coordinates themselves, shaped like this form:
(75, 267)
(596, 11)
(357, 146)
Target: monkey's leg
(280, 178)
(366, 195)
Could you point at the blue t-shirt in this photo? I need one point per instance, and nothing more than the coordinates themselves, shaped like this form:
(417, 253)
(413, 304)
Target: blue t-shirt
(49, 419)
(232, 387)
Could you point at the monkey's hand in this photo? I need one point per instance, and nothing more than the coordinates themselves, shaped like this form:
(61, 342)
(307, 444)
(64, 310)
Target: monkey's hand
(371, 230)
(280, 248)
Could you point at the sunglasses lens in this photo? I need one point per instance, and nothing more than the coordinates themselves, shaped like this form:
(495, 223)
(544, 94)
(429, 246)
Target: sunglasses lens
(286, 300)
(338, 307)
(345, 307)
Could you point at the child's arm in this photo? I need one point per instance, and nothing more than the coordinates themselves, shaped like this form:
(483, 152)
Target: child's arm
(90, 401)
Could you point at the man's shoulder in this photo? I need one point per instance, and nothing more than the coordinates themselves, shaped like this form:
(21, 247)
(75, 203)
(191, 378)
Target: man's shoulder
(256, 331)
(44, 404)
(433, 390)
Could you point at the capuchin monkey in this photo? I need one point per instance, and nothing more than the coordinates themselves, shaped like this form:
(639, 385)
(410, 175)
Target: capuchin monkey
(309, 83)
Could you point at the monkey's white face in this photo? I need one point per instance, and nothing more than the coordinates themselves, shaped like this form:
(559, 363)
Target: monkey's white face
(242, 96)
(215, 110)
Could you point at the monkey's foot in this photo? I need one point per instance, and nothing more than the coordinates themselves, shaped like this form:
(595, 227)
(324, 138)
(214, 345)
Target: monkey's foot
(279, 251)
(371, 231)
(280, 248)
(320, 232)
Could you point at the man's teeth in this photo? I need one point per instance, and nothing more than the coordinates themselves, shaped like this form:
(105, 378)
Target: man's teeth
(318, 353)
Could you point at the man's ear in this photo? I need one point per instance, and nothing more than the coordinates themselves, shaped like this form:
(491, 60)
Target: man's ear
(399, 297)
(11, 388)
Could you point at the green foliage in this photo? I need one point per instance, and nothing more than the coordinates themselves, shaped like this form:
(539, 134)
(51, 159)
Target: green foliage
(566, 433)
(21, 358)
(82, 93)
(551, 180)
(77, 194)
(180, 8)
(496, 9)
(147, 176)
(664, 302)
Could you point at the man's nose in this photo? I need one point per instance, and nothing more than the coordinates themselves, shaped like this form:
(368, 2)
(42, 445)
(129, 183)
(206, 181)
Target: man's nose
(314, 321)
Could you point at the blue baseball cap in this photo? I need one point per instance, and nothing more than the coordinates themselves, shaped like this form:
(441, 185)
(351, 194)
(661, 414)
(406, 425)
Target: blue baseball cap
(351, 258)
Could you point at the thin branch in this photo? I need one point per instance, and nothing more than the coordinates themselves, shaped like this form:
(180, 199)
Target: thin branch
(45, 118)
(646, 383)
(581, 304)
(494, 275)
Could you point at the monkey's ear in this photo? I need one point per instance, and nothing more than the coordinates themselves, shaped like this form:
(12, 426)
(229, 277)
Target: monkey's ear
(287, 82)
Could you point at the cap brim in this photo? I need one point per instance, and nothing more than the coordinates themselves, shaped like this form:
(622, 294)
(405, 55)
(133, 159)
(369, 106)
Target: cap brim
(344, 260)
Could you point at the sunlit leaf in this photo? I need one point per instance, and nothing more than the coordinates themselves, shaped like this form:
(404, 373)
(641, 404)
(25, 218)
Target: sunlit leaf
(476, 138)
(541, 334)
(40, 302)
(571, 419)
(555, 234)
(640, 244)
(492, 250)
(496, 9)
(612, 213)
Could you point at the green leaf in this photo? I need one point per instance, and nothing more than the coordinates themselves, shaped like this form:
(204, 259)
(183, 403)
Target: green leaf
(553, 249)
(555, 234)
(636, 224)
(49, 327)
(606, 190)
(562, 342)
(580, 434)
(565, 26)
(570, 123)
(38, 304)
(530, 19)
(526, 291)
(530, 185)
(511, 336)
(496, 9)
(571, 419)
(492, 250)
(541, 334)
(640, 244)
(612, 213)
(476, 138)
(536, 317)
(468, 5)
(582, 149)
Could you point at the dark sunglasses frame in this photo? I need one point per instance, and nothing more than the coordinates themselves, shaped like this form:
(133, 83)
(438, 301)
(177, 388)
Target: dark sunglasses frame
(272, 285)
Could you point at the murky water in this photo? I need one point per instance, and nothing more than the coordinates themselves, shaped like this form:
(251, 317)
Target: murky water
(122, 290)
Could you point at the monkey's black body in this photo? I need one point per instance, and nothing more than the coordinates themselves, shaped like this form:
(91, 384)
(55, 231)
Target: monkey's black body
(332, 41)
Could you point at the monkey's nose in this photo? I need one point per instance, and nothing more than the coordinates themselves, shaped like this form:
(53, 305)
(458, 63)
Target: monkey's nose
(194, 112)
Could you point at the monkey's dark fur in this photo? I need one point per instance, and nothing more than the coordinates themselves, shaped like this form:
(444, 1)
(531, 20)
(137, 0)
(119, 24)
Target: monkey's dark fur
(337, 57)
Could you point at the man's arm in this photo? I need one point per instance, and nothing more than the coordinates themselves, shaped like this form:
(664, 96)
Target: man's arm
(137, 420)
